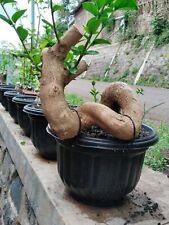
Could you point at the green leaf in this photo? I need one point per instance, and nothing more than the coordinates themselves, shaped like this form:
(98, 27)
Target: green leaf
(3, 2)
(92, 52)
(69, 56)
(37, 59)
(78, 50)
(101, 41)
(2, 17)
(17, 15)
(22, 33)
(44, 43)
(90, 7)
(73, 70)
(100, 3)
(92, 25)
(46, 22)
(57, 8)
(125, 4)
(108, 10)
(104, 20)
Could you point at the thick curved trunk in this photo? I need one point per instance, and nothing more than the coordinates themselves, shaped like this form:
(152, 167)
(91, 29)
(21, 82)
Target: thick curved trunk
(66, 122)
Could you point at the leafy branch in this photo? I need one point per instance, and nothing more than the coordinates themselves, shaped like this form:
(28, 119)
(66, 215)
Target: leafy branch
(20, 30)
(53, 9)
(94, 92)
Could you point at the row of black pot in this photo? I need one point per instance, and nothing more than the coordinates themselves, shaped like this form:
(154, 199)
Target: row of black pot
(24, 111)
(97, 171)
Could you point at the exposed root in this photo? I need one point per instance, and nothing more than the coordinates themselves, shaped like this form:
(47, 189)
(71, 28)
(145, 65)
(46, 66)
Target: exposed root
(125, 125)
(65, 122)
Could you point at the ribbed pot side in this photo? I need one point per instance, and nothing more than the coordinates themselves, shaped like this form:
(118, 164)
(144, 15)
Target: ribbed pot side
(101, 171)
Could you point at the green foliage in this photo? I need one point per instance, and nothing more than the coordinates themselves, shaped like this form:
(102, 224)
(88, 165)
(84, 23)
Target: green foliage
(134, 70)
(154, 81)
(111, 23)
(92, 25)
(5, 59)
(73, 99)
(163, 39)
(17, 15)
(125, 4)
(47, 23)
(91, 7)
(22, 33)
(140, 91)
(128, 32)
(94, 92)
(159, 24)
(160, 30)
(57, 8)
(4, 18)
(101, 11)
(99, 41)
(3, 2)
(154, 158)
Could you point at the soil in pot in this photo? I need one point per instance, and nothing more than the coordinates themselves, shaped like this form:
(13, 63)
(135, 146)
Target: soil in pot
(22, 117)
(101, 170)
(44, 142)
(3, 99)
(11, 105)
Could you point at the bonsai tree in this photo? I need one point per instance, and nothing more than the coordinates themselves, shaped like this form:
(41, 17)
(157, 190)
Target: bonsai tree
(63, 62)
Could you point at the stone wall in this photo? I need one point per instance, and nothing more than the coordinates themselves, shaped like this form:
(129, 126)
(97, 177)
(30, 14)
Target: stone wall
(127, 60)
(15, 207)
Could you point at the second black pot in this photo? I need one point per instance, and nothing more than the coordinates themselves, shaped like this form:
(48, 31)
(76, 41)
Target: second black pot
(11, 105)
(22, 117)
(44, 142)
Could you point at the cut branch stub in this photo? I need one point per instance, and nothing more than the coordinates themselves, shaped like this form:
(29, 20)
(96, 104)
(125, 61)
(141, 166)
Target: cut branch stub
(65, 122)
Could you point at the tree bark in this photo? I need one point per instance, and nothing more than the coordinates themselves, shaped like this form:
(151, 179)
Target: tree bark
(65, 122)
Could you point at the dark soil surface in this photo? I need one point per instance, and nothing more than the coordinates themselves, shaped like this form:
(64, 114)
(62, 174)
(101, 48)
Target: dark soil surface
(135, 207)
(97, 132)
(143, 206)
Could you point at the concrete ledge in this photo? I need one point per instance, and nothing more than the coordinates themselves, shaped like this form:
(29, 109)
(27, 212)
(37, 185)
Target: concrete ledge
(53, 206)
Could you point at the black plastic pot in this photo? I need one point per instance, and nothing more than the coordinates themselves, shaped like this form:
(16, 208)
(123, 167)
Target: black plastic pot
(101, 171)
(44, 142)
(3, 99)
(22, 117)
(11, 105)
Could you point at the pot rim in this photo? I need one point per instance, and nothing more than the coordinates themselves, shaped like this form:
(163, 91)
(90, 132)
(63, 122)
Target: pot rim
(11, 93)
(23, 99)
(7, 88)
(29, 109)
(7, 85)
(82, 140)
